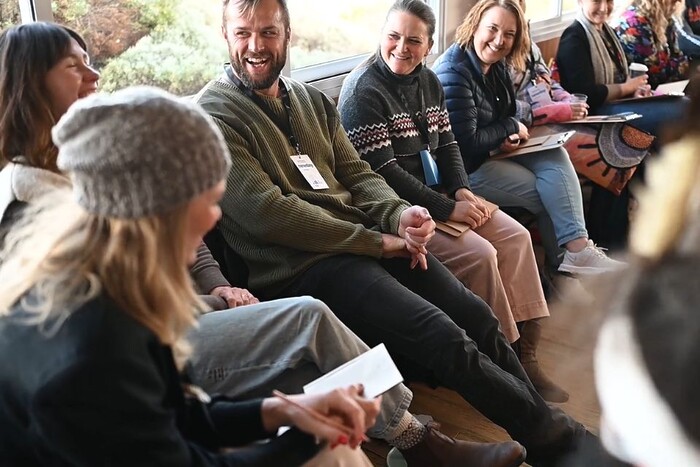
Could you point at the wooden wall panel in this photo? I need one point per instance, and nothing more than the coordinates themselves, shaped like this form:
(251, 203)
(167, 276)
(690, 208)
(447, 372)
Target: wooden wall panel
(549, 48)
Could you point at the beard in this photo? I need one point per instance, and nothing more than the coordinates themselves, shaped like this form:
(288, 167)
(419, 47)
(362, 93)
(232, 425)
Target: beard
(260, 82)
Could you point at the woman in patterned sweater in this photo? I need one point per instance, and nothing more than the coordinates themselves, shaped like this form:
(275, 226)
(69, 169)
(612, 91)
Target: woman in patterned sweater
(382, 104)
(647, 35)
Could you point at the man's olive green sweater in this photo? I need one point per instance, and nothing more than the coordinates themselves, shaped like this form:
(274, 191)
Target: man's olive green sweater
(271, 215)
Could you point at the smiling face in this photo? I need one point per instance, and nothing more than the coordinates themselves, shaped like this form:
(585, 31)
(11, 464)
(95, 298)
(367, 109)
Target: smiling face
(405, 42)
(70, 79)
(597, 11)
(257, 44)
(494, 36)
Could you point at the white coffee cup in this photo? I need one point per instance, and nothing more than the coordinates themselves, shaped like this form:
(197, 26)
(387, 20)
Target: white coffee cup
(638, 69)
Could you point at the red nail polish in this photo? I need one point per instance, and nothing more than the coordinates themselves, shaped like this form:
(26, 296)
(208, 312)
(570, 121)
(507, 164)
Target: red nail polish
(334, 445)
(343, 439)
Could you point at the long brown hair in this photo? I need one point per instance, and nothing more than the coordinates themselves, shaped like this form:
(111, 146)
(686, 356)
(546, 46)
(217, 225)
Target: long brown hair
(27, 53)
(464, 35)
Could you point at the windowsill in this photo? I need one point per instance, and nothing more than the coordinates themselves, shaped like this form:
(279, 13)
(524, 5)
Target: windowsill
(546, 30)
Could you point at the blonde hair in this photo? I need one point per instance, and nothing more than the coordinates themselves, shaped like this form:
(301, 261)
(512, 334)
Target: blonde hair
(464, 35)
(658, 16)
(64, 256)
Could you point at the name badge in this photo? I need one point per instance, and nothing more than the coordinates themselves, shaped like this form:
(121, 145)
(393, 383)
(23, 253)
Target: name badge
(309, 171)
(539, 95)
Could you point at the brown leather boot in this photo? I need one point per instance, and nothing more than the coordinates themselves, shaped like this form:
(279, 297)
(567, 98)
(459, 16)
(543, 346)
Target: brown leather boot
(529, 340)
(439, 450)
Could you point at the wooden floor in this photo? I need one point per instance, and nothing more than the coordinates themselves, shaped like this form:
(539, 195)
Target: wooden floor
(566, 354)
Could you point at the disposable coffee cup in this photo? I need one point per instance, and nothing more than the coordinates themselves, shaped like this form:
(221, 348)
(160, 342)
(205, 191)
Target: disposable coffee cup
(576, 97)
(638, 69)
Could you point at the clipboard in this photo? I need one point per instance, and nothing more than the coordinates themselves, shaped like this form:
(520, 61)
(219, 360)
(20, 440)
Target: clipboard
(535, 144)
(456, 228)
(615, 118)
(655, 97)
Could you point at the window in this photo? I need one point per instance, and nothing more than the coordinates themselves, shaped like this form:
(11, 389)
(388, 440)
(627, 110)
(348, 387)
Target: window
(351, 31)
(9, 13)
(548, 18)
(177, 44)
(540, 10)
(172, 44)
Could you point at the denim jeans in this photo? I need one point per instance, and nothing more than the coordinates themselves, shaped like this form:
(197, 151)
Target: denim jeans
(545, 183)
(429, 320)
(656, 113)
(248, 351)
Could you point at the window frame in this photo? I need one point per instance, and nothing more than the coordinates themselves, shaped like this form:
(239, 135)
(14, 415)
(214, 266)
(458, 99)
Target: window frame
(40, 10)
(328, 76)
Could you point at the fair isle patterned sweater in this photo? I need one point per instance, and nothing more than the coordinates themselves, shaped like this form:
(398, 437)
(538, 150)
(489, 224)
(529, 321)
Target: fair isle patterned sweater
(384, 133)
(271, 216)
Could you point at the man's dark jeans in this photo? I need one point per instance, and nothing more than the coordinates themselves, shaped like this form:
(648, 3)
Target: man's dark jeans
(430, 319)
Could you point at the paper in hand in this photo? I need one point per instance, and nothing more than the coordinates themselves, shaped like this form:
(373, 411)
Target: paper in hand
(374, 369)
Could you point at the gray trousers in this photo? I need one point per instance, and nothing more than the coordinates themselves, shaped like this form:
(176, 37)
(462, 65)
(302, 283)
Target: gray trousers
(248, 351)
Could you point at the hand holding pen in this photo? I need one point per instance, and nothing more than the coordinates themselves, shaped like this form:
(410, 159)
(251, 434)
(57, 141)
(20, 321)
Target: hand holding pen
(340, 416)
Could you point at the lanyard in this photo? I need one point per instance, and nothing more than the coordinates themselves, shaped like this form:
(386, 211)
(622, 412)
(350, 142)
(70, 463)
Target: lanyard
(285, 125)
(533, 70)
(422, 122)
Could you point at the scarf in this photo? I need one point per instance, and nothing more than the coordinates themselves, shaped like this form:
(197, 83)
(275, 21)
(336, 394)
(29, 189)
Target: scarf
(603, 65)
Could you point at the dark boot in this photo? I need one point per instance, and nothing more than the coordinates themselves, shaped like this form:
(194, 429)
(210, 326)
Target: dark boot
(439, 450)
(529, 340)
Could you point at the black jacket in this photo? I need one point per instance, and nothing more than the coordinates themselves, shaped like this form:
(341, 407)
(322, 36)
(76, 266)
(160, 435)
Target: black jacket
(576, 66)
(478, 125)
(102, 390)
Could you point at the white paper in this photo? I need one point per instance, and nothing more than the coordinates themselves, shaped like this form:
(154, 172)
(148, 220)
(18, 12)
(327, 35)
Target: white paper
(374, 369)
(676, 87)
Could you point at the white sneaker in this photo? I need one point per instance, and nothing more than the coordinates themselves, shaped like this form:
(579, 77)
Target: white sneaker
(590, 260)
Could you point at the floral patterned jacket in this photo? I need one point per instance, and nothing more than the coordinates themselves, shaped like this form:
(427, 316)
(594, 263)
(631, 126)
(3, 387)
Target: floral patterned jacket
(638, 40)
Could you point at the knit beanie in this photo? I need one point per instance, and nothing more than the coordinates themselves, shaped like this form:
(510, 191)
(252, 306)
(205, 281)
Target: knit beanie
(139, 152)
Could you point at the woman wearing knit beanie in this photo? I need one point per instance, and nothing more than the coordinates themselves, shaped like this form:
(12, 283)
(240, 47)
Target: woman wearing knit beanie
(43, 70)
(95, 298)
